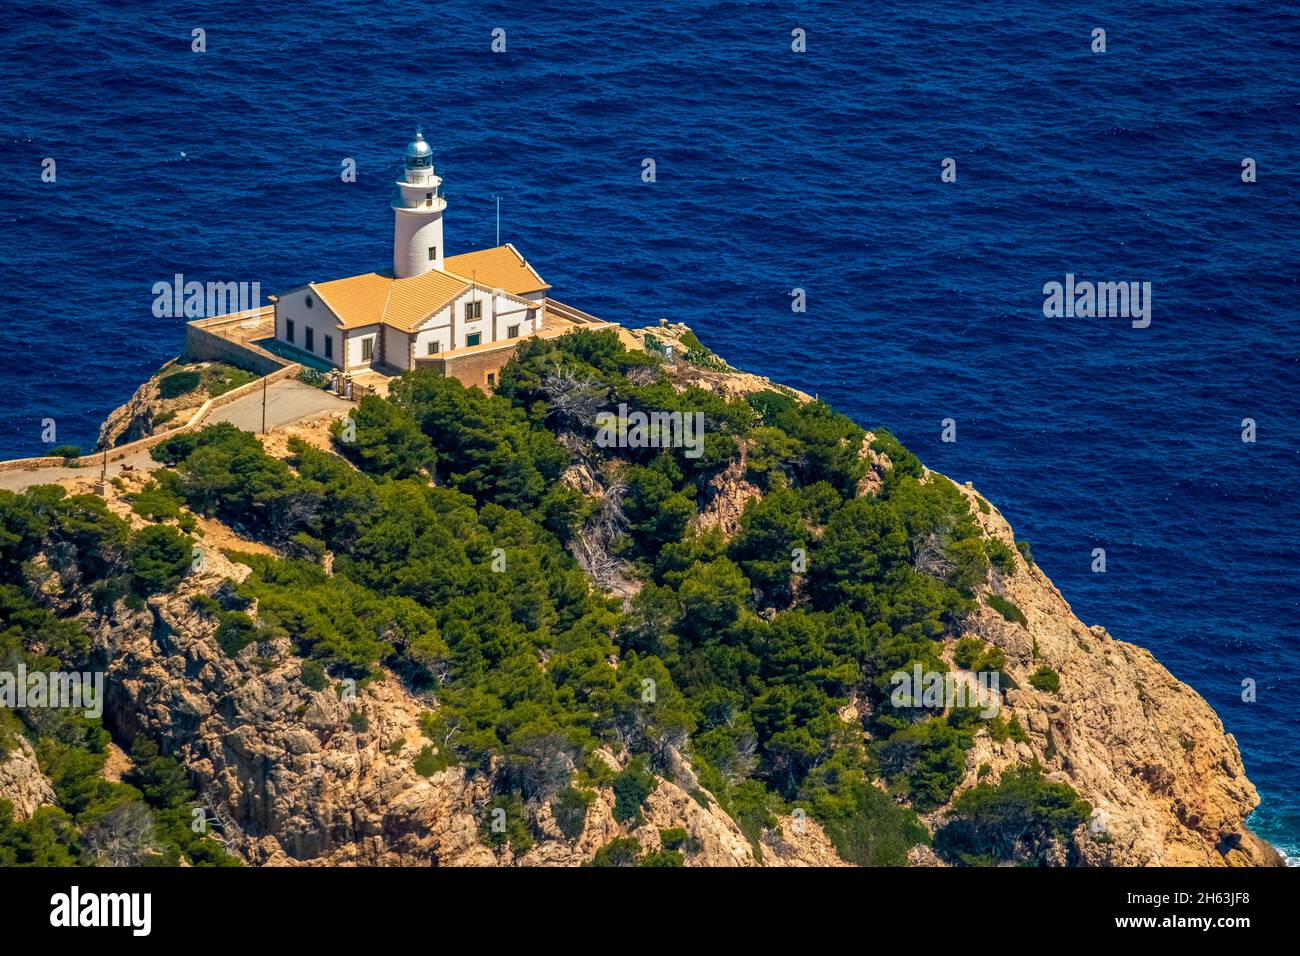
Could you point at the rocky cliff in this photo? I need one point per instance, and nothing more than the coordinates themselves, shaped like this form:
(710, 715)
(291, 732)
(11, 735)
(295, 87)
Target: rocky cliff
(21, 780)
(294, 776)
(1151, 756)
(1166, 782)
(148, 410)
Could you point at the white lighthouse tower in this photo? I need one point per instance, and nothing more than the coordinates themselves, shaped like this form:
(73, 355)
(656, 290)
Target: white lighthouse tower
(417, 213)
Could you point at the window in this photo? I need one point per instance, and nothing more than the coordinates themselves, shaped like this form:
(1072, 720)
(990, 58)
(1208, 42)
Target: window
(473, 339)
(473, 310)
(309, 302)
(428, 197)
(435, 348)
(367, 348)
(512, 332)
(288, 329)
(329, 346)
(309, 339)
(492, 379)
(433, 253)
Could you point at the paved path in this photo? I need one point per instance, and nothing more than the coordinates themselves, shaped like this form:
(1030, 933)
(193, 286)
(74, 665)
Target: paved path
(287, 401)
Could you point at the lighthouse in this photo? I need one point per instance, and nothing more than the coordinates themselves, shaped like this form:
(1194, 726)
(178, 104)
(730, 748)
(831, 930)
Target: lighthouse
(462, 315)
(417, 213)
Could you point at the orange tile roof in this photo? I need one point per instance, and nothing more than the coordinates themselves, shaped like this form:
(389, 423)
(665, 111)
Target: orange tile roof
(375, 298)
(359, 300)
(499, 268)
(415, 299)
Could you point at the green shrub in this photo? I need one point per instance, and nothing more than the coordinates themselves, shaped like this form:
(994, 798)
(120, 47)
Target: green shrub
(159, 557)
(620, 851)
(866, 825)
(972, 654)
(970, 564)
(205, 604)
(426, 762)
(673, 838)
(313, 675)
(337, 621)
(1023, 547)
(159, 500)
(751, 805)
(1001, 555)
(771, 456)
(902, 462)
(690, 340)
(384, 440)
(1017, 732)
(997, 728)
(305, 546)
(486, 447)
(162, 780)
(1016, 819)
(663, 858)
(631, 787)
(569, 808)
(1007, 609)
(10, 728)
(967, 652)
(1046, 680)
(770, 528)
(505, 824)
(926, 761)
(220, 378)
(178, 383)
(705, 359)
(235, 632)
(165, 785)
(65, 451)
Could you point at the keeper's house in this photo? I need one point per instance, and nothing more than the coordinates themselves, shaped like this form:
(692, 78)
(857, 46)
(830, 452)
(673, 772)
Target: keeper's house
(462, 315)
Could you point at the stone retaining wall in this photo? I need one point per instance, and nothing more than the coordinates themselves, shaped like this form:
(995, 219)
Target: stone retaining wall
(119, 452)
(472, 369)
(205, 342)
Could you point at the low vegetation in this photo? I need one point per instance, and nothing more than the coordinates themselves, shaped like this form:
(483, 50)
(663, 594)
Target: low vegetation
(1045, 679)
(462, 562)
(1007, 609)
(211, 378)
(1020, 819)
(146, 818)
(176, 384)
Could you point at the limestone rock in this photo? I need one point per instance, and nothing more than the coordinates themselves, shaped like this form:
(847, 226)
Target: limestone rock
(21, 780)
(294, 776)
(1142, 747)
(725, 498)
(131, 420)
(799, 843)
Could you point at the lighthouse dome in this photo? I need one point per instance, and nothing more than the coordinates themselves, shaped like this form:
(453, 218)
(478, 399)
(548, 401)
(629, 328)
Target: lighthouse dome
(419, 153)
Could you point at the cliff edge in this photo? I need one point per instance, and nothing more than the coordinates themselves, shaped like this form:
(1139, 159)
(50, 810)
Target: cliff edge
(296, 769)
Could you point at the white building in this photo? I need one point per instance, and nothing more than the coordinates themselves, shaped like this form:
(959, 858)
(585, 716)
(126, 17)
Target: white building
(430, 304)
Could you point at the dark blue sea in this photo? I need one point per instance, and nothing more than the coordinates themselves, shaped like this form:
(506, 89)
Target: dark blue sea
(775, 170)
